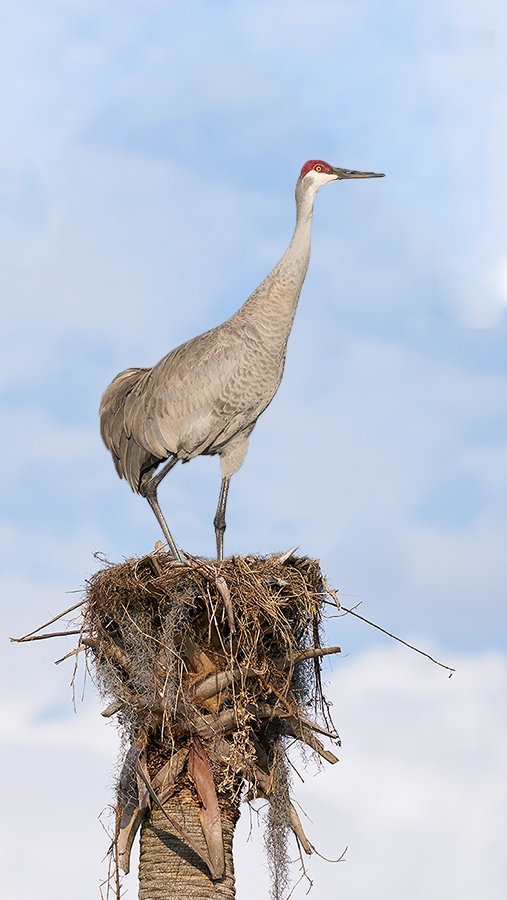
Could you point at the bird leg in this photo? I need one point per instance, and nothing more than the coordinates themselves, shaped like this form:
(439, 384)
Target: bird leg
(219, 521)
(149, 491)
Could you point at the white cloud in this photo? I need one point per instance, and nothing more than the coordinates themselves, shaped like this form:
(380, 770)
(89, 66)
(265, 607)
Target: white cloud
(502, 279)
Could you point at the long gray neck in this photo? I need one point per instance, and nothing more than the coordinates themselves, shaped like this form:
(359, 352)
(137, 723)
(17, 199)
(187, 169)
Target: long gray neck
(272, 306)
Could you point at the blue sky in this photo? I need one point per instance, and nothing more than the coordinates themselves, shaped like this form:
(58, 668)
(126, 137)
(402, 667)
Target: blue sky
(148, 158)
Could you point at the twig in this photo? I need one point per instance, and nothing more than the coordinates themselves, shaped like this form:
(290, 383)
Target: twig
(295, 824)
(400, 640)
(215, 684)
(303, 733)
(42, 637)
(76, 666)
(285, 556)
(341, 858)
(332, 593)
(55, 619)
(111, 650)
(315, 727)
(112, 709)
(314, 653)
(223, 589)
(68, 655)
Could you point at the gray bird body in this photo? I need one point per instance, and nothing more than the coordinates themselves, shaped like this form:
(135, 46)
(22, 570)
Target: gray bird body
(205, 396)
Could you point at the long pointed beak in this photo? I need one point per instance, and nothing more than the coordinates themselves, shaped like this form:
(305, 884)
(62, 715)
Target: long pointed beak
(351, 173)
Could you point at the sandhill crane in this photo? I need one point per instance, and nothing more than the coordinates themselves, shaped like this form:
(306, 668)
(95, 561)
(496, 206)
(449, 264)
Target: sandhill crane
(206, 395)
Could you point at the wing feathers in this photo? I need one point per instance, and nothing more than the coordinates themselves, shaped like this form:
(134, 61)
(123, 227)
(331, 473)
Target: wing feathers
(193, 401)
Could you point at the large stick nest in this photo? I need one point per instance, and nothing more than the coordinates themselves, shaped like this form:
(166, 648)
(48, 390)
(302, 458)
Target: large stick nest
(210, 667)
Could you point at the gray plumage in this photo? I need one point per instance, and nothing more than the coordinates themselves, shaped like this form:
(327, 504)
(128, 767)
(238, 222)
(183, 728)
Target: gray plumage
(206, 395)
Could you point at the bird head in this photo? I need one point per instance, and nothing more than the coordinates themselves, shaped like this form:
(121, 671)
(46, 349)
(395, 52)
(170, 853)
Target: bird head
(317, 172)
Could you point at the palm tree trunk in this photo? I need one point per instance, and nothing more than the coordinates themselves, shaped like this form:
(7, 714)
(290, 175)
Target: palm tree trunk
(168, 868)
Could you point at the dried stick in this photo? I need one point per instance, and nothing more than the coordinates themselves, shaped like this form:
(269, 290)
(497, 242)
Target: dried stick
(54, 619)
(214, 684)
(42, 637)
(400, 640)
(305, 734)
(314, 653)
(111, 650)
(72, 653)
(311, 653)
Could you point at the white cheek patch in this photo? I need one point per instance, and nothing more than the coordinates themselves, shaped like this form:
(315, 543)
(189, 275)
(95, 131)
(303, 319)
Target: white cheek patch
(319, 178)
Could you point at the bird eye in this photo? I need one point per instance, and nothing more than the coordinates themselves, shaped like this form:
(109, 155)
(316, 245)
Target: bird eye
(318, 168)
